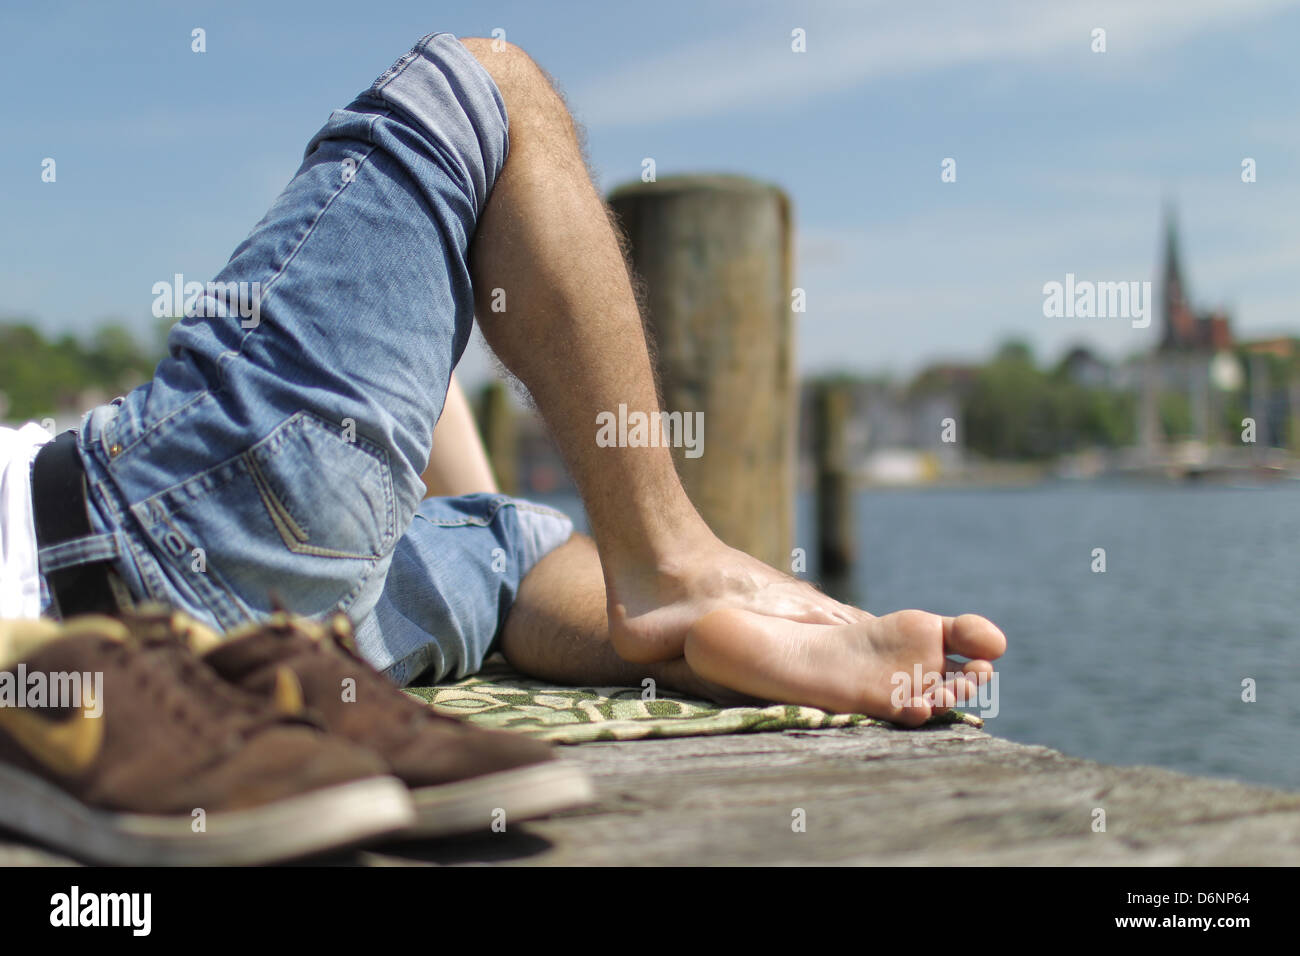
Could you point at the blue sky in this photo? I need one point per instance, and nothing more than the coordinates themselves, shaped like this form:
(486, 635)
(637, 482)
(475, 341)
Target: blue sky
(166, 158)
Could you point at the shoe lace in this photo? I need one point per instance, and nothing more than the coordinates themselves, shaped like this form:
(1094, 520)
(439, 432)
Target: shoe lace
(190, 694)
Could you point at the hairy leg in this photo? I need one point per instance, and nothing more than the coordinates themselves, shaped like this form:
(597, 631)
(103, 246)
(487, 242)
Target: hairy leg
(555, 303)
(554, 300)
(557, 630)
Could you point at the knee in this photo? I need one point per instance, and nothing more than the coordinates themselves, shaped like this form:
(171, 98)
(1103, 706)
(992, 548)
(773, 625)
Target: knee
(529, 94)
(501, 57)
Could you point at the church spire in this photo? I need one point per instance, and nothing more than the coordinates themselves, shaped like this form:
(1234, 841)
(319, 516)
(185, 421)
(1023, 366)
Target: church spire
(1176, 317)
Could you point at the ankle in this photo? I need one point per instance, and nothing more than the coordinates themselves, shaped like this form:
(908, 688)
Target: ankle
(667, 551)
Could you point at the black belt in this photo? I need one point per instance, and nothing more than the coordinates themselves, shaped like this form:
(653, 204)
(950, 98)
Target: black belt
(59, 506)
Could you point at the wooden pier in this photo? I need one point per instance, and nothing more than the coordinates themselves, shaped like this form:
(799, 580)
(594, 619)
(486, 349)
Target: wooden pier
(870, 795)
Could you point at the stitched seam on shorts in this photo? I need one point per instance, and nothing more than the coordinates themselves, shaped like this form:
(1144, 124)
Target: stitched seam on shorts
(268, 288)
(153, 429)
(162, 505)
(539, 509)
(475, 521)
(466, 183)
(291, 534)
(466, 521)
(398, 68)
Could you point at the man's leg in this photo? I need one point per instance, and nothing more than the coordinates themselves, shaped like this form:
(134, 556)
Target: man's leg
(558, 630)
(455, 579)
(571, 331)
(556, 625)
(469, 562)
(458, 464)
(482, 572)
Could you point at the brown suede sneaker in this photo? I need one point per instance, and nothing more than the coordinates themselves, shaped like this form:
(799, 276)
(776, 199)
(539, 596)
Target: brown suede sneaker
(117, 745)
(462, 778)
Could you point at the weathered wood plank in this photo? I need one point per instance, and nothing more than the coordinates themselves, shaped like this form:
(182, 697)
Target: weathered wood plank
(872, 796)
(714, 254)
(952, 796)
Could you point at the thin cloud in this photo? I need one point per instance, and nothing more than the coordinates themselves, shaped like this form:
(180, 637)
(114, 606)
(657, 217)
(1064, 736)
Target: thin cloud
(848, 46)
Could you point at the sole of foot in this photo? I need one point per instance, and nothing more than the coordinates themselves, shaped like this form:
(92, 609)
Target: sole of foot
(866, 667)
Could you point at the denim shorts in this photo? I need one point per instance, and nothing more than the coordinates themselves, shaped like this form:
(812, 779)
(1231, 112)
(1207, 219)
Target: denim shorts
(276, 456)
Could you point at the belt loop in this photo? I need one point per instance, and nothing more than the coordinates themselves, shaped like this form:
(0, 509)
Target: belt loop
(84, 583)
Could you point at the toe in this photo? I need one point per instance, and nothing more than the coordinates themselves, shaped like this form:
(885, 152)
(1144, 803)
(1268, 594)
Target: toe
(943, 698)
(964, 688)
(973, 636)
(914, 713)
(975, 667)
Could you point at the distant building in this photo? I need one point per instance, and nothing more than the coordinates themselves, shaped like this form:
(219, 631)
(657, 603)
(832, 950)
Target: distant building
(1282, 347)
(1183, 329)
(1199, 359)
(897, 435)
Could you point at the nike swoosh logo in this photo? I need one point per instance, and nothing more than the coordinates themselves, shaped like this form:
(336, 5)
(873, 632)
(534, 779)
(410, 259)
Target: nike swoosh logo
(288, 692)
(65, 747)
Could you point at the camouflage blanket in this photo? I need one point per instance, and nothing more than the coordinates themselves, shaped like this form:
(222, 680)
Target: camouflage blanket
(499, 697)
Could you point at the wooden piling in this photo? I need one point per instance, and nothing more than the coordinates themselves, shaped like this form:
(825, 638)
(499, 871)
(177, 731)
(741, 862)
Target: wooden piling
(500, 431)
(1293, 412)
(831, 412)
(714, 256)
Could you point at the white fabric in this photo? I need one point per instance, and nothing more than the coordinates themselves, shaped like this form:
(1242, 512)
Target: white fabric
(20, 582)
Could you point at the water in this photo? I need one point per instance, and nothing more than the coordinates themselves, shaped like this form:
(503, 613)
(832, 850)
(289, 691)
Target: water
(1141, 664)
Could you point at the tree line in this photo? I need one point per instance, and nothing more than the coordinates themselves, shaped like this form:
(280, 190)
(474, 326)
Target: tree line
(41, 375)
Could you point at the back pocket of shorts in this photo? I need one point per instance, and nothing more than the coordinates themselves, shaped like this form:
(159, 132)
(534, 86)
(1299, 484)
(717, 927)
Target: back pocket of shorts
(306, 514)
(328, 492)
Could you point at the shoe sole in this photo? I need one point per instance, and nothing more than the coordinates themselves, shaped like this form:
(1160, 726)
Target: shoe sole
(327, 819)
(525, 793)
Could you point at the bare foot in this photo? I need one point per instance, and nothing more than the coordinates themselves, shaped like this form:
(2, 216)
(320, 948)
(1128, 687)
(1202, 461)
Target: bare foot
(651, 610)
(866, 667)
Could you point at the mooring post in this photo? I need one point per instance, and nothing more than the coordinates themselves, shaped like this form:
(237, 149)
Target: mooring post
(714, 256)
(832, 408)
(500, 432)
(1293, 409)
